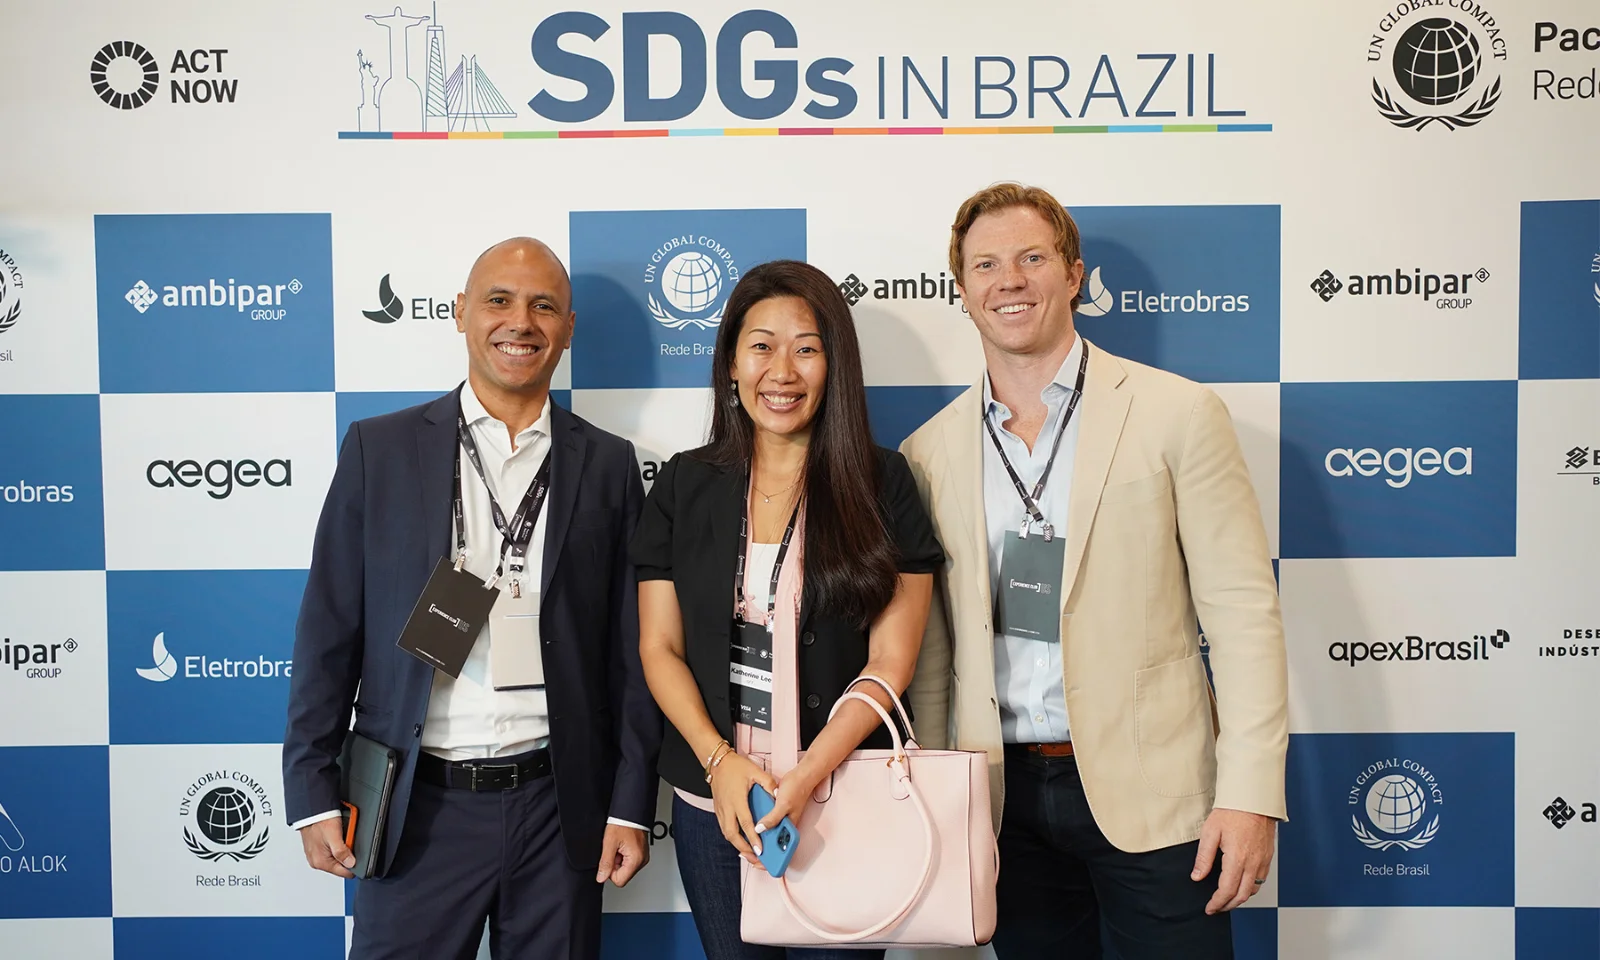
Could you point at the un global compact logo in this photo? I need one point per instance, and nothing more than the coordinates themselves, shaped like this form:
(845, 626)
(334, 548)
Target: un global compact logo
(1392, 800)
(1434, 62)
(225, 815)
(693, 274)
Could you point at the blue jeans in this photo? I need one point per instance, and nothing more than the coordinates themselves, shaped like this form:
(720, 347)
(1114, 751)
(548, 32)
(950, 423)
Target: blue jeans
(709, 866)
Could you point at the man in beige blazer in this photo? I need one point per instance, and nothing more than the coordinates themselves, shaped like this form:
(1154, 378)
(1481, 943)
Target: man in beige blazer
(1072, 654)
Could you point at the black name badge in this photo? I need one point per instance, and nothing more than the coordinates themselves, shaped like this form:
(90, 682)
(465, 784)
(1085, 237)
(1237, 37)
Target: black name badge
(1030, 587)
(447, 619)
(750, 674)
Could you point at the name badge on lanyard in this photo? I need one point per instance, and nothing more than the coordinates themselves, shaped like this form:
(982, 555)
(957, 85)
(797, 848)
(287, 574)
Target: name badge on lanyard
(455, 605)
(1029, 602)
(751, 653)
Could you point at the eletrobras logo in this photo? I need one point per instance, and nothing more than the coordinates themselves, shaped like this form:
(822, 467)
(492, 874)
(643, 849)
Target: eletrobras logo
(1436, 62)
(583, 66)
(203, 667)
(125, 75)
(1100, 300)
(1446, 291)
(392, 307)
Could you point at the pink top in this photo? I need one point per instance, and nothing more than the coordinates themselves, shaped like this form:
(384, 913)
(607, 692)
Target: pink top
(752, 741)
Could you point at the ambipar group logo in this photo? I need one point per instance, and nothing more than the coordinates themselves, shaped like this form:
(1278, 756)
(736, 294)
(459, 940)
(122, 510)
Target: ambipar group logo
(182, 298)
(650, 288)
(1190, 289)
(1436, 63)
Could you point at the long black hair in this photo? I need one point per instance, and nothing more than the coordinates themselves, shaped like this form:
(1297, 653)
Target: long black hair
(849, 555)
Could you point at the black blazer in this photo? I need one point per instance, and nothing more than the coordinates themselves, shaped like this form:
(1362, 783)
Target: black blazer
(384, 525)
(689, 533)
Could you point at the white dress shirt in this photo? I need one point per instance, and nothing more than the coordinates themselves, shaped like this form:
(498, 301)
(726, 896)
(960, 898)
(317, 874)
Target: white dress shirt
(1028, 672)
(468, 719)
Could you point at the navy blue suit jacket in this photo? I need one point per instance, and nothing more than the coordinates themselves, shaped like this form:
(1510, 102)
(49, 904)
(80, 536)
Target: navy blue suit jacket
(385, 523)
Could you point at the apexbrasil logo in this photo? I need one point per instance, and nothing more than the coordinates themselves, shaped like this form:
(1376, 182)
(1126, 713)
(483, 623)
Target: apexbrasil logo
(1098, 300)
(225, 816)
(261, 297)
(1441, 65)
(1392, 798)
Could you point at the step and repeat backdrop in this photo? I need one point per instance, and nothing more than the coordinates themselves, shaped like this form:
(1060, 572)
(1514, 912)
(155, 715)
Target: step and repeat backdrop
(1373, 227)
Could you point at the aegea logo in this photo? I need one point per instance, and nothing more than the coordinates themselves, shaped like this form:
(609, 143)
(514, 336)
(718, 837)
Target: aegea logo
(1400, 463)
(220, 475)
(24, 492)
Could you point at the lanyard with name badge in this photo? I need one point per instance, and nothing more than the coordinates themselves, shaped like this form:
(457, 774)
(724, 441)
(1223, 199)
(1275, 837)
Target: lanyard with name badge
(455, 605)
(1030, 569)
(750, 660)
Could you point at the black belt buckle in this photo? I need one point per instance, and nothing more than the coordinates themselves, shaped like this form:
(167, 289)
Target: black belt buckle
(496, 768)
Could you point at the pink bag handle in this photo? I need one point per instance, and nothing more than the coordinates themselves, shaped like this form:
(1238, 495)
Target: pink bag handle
(905, 718)
(900, 765)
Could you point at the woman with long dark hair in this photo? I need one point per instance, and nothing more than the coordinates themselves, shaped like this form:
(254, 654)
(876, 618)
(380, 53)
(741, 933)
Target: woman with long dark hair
(787, 553)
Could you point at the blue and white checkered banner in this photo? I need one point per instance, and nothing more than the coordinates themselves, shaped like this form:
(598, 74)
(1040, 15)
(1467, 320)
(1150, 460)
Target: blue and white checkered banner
(1372, 227)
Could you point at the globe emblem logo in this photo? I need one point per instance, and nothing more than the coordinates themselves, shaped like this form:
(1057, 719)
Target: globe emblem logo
(1436, 61)
(225, 815)
(227, 820)
(691, 281)
(1395, 805)
(694, 274)
(1435, 65)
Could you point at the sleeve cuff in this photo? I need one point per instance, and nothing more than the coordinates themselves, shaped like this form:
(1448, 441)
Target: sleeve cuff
(308, 821)
(619, 822)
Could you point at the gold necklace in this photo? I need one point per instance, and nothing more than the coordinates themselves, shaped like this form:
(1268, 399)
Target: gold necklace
(765, 498)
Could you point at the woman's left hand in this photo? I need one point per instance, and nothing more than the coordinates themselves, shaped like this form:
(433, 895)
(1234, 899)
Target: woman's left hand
(794, 788)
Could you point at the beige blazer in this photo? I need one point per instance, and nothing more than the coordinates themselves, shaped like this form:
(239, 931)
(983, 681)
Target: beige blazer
(1163, 525)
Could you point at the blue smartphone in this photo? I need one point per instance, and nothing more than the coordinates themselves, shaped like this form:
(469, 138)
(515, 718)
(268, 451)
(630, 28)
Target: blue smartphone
(778, 843)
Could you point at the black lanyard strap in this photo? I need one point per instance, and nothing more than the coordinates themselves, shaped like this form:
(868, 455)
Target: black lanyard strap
(515, 534)
(744, 550)
(1030, 502)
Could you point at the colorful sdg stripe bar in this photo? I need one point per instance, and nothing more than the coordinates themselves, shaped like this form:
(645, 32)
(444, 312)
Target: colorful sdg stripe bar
(809, 132)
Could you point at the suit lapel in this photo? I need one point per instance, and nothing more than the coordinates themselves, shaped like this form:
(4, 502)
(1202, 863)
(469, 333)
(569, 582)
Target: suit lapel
(568, 451)
(1105, 409)
(436, 464)
(962, 453)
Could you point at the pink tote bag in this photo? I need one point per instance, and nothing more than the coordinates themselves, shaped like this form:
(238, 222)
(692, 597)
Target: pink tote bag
(896, 847)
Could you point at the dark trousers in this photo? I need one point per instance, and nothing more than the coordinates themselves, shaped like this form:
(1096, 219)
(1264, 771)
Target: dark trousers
(709, 866)
(1064, 887)
(469, 857)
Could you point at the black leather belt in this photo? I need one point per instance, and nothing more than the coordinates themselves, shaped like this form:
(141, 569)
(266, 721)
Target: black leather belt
(482, 775)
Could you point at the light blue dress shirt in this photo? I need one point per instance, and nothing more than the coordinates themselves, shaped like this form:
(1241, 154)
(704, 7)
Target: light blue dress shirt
(1027, 672)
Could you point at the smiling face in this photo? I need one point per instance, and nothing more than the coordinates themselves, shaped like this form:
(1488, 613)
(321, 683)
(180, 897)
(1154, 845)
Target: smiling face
(780, 366)
(517, 317)
(1016, 285)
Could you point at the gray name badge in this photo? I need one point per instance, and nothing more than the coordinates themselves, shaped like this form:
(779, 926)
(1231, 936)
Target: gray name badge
(516, 654)
(1030, 587)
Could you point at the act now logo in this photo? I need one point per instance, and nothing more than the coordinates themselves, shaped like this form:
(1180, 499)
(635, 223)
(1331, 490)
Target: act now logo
(202, 667)
(126, 75)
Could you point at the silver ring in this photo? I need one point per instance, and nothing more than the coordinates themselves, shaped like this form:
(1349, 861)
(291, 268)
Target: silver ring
(1261, 881)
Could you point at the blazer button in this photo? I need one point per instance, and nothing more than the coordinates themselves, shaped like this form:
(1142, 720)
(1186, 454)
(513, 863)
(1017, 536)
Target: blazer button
(808, 638)
(416, 730)
(813, 701)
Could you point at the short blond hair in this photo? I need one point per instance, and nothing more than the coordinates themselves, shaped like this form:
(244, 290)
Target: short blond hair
(1004, 196)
